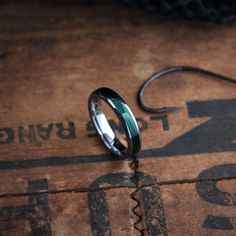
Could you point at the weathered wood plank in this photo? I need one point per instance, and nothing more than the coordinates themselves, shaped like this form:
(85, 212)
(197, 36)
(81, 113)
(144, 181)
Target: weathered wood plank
(51, 59)
(52, 66)
(93, 213)
(202, 208)
(199, 209)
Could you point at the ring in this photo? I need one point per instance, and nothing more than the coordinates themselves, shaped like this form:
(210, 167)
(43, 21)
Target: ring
(125, 116)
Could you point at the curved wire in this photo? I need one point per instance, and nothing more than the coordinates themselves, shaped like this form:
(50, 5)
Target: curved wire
(169, 70)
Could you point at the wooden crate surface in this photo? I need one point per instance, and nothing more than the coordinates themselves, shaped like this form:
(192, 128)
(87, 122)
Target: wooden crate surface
(56, 176)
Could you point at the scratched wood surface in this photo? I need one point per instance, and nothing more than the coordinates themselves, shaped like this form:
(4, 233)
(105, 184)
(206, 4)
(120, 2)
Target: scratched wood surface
(56, 176)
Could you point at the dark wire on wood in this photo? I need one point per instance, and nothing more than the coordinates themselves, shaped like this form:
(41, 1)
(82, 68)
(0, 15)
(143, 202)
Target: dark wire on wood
(170, 70)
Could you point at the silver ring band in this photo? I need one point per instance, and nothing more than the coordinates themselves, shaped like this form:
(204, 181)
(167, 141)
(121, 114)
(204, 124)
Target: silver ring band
(125, 117)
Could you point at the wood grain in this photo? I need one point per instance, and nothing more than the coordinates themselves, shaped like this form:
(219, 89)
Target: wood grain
(66, 214)
(187, 213)
(52, 58)
(169, 209)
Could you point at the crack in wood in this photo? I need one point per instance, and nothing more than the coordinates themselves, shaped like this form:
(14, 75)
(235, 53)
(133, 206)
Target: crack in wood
(85, 190)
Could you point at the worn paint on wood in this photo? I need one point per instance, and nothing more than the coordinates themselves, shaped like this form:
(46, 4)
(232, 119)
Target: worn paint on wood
(55, 173)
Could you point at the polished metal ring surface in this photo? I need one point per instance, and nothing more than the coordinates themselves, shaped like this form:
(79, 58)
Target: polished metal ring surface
(125, 117)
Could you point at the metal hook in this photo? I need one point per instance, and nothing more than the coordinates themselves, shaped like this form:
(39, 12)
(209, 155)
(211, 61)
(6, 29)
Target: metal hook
(169, 70)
